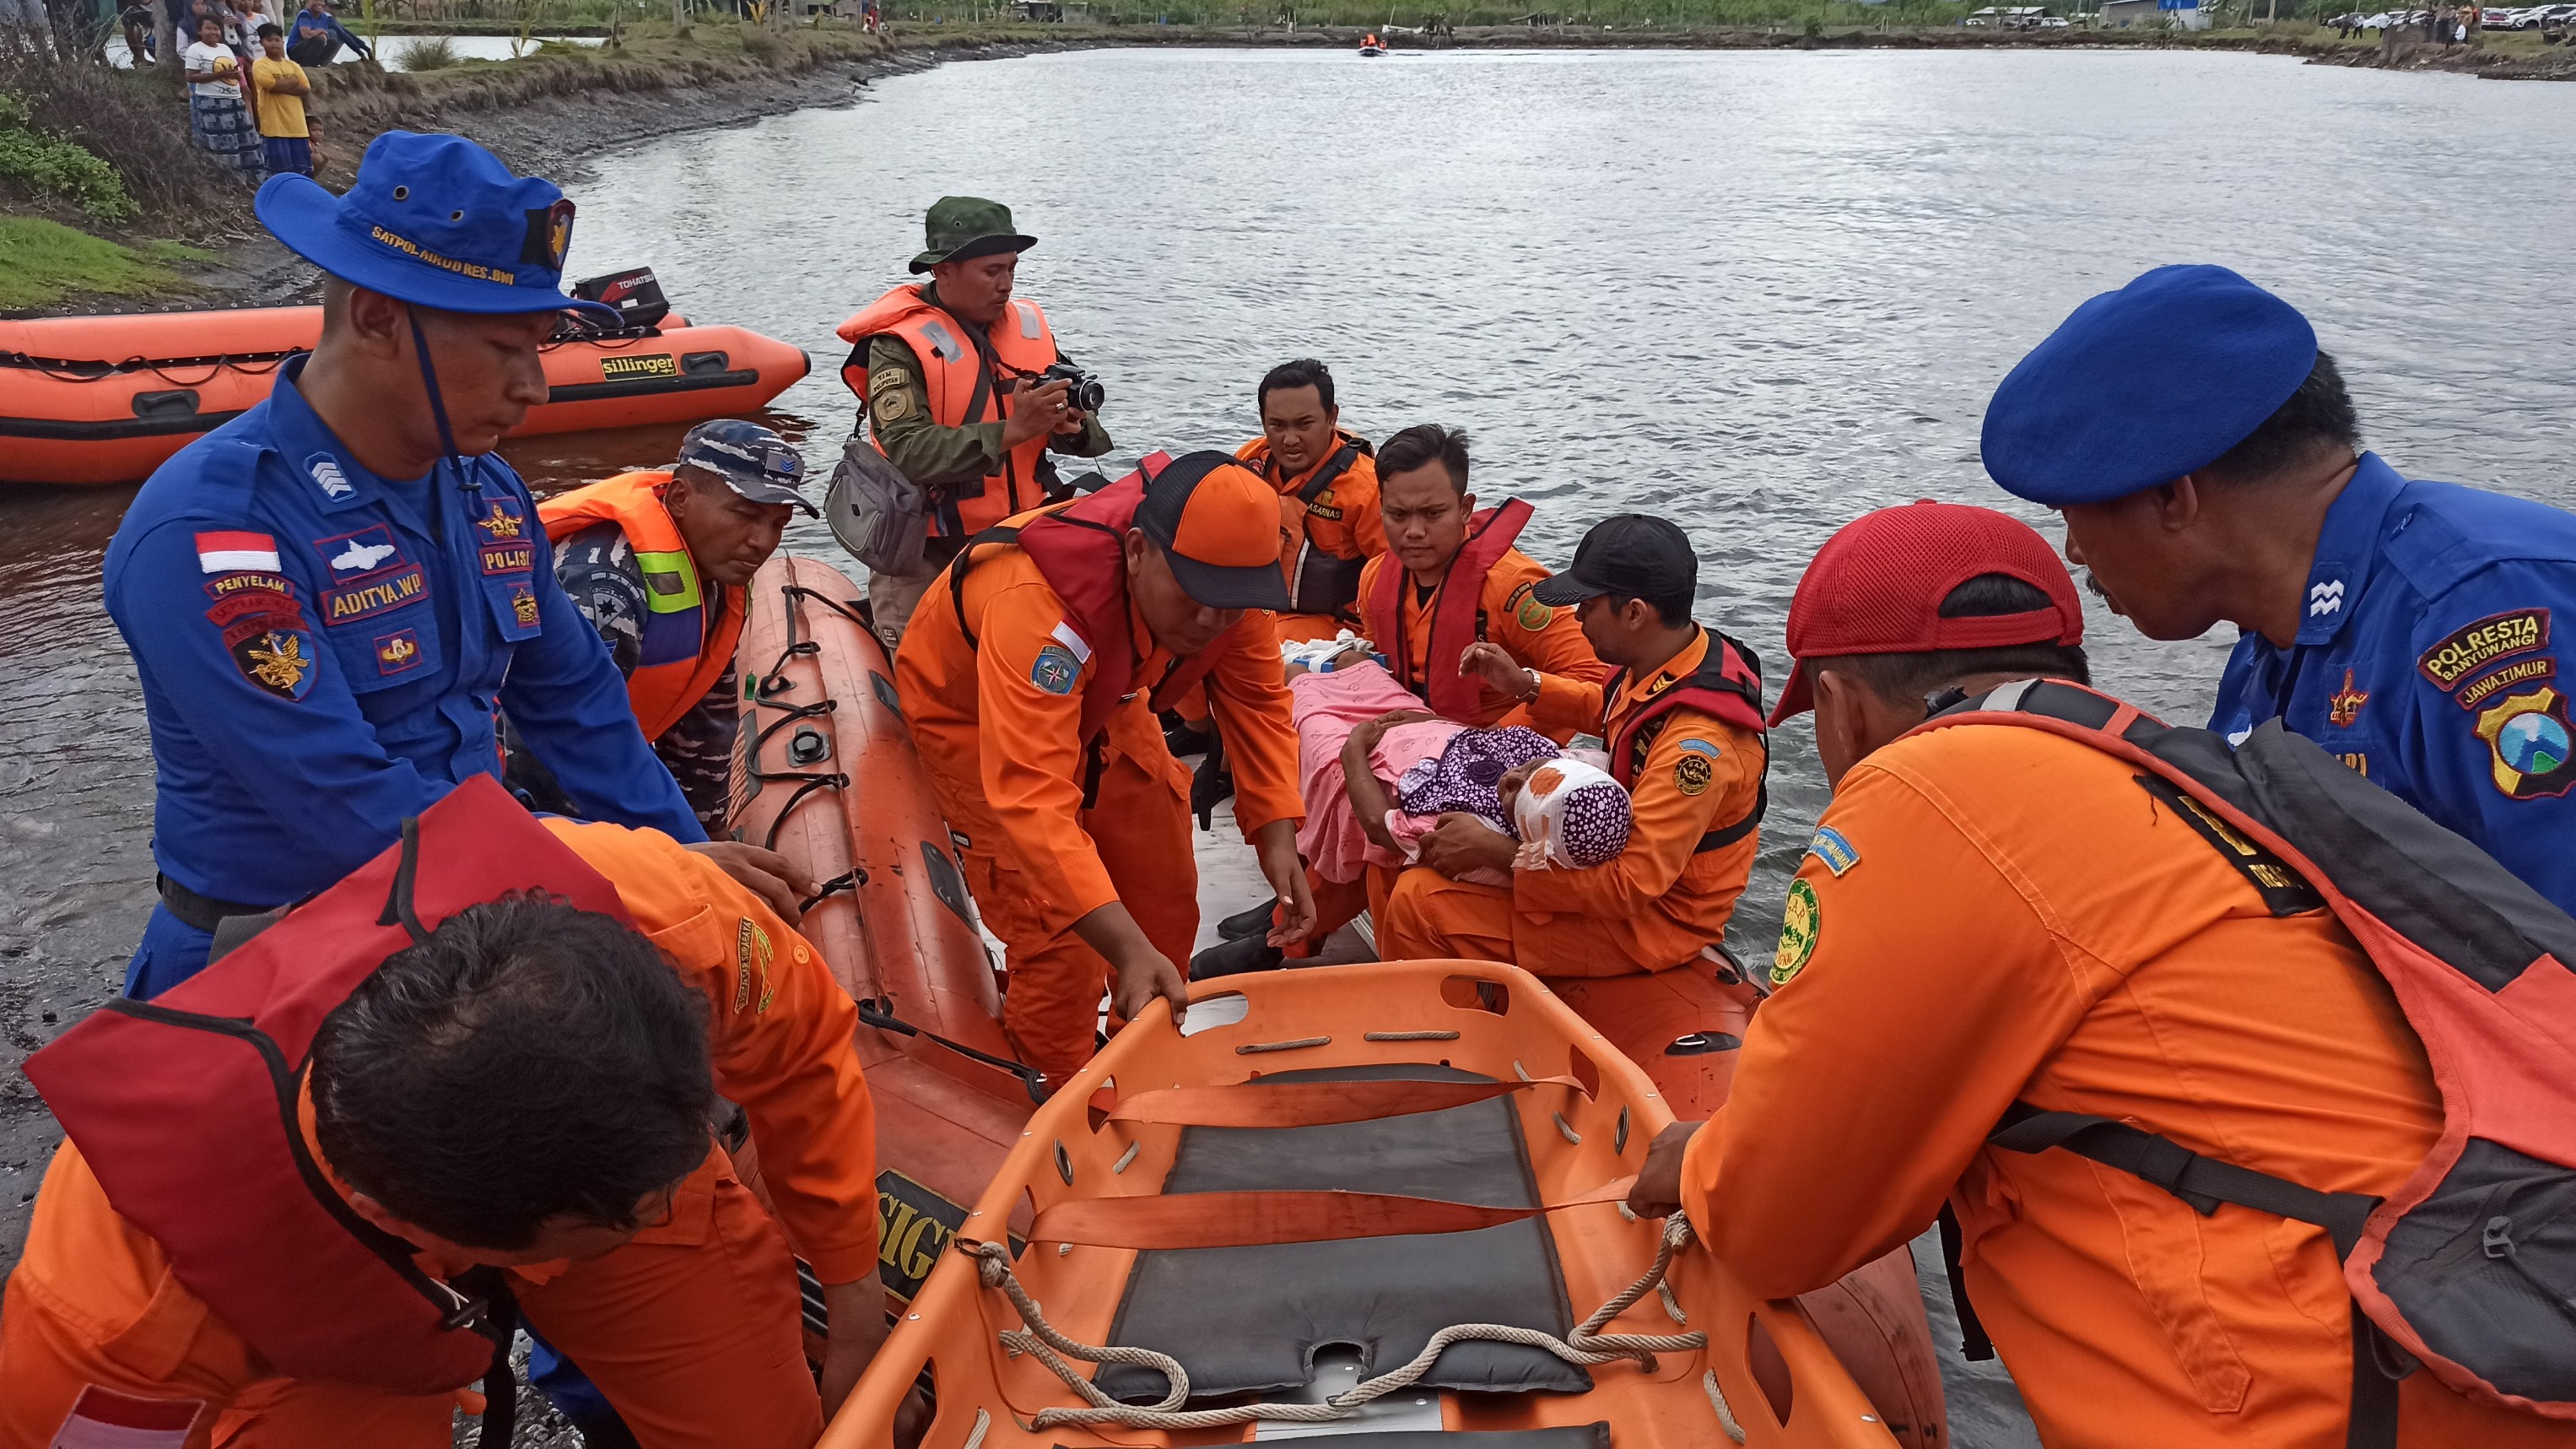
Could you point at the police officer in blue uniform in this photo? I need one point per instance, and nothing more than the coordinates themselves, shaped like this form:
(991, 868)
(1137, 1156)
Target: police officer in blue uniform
(328, 597)
(2206, 458)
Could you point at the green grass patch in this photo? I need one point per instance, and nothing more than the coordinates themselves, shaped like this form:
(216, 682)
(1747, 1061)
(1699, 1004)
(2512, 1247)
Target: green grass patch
(42, 262)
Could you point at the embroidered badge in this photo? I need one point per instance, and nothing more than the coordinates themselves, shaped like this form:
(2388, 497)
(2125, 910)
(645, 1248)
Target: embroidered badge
(1055, 669)
(504, 521)
(2522, 671)
(102, 1418)
(2358, 763)
(1703, 747)
(1526, 610)
(523, 606)
(1800, 924)
(892, 407)
(398, 652)
(326, 474)
(227, 586)
(1833, 849)
(390, 590)
(2325, 598)
(509, 558)
(277, 660)
(228, 552)
(2344, 705)
(2497, 636)
(1691, 773)
(356, 555)
(752, 953)
(2528, 737)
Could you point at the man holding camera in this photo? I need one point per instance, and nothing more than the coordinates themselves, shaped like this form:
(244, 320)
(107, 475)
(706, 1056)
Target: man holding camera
(966, 391)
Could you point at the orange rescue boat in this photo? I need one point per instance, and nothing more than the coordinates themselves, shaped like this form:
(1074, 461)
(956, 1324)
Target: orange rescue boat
(108, 399)
(825, 774)
(1344, 1200)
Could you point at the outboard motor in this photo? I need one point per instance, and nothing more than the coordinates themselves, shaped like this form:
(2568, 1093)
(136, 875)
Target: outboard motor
(633, 292)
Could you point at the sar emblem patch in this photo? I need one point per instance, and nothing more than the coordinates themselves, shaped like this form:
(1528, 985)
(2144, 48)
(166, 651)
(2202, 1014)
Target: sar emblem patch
(2497, 636)
(277, 660)
(2527, 737)
(1692, 772)
(1800, 924)
(1833, 849)
(1055, 670)
(2344, 705)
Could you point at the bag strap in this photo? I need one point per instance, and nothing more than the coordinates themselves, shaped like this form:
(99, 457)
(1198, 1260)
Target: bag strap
(1250, 1219)
(2203, 1182)
(1331, 473)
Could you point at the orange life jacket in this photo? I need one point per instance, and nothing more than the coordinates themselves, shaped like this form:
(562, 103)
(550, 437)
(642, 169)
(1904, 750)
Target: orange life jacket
(1728, 685)
(682, 657)
(1320, 581)
(1454, 624)
(1080, 550)
(186, 1108)
(968, 371)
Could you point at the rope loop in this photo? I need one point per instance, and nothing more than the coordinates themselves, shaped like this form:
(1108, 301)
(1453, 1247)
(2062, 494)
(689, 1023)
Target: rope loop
(1587, 1346)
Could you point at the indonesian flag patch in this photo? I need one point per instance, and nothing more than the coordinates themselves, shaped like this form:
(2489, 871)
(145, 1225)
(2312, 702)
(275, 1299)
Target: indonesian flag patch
(232, 553)
(106, 1419)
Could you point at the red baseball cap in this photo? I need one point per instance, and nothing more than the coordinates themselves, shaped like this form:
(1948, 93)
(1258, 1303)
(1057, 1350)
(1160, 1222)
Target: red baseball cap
(1876, 588)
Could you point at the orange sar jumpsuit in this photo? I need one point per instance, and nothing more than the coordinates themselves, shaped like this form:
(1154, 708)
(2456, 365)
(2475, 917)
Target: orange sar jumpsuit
(1652, 906)
(1007, 761)
(1341, 520)
(691, 1329)
(1538, 637)
(1992, 914)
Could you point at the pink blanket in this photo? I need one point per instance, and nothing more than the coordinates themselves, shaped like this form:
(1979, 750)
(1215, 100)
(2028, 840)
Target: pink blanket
(1326, 707)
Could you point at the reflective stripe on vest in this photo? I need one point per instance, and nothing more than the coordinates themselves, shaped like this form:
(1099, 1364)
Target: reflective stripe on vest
(681, 658)
(185, 1108)
(1728, 687)
(1454, 626)
(964, 387)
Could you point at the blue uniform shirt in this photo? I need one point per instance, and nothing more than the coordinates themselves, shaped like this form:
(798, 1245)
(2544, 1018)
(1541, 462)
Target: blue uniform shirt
(2427, 660)
(322, 651)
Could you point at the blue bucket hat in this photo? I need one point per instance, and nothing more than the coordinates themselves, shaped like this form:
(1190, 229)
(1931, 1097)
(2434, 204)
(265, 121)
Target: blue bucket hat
(2145, 384)
(436, 221)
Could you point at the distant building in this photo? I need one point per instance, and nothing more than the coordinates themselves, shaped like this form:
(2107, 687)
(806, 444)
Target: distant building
(2008, 17)
(2135, 14)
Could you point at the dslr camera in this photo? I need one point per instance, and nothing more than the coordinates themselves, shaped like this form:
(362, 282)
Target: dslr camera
(1084, 396)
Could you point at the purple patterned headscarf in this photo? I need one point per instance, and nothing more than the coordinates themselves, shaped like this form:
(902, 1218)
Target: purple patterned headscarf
(1571, 813)
(1465, 775)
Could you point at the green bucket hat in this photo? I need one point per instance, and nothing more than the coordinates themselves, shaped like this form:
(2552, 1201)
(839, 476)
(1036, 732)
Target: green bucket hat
(960, 228)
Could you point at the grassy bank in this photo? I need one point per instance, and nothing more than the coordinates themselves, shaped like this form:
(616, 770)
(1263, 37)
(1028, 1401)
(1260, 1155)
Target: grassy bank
(42, 262)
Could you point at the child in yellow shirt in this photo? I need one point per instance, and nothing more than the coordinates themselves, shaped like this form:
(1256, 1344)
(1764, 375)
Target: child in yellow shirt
(279, 86)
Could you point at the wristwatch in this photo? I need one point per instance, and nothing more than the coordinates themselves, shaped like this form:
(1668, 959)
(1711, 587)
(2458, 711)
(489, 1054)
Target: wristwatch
(1534, 686)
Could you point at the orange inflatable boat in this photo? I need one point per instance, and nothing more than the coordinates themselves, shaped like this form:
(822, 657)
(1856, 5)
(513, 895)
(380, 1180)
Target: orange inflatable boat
(1352, 1199)
(107, 399)
(825, 774)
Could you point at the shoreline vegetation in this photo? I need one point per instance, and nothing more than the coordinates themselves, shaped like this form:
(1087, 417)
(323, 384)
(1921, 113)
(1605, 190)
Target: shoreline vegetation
(105, 207)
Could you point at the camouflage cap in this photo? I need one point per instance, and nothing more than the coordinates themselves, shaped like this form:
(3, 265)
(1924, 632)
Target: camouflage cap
(963, 227)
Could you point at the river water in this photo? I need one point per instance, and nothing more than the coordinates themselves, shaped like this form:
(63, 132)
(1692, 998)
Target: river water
(1760, 293)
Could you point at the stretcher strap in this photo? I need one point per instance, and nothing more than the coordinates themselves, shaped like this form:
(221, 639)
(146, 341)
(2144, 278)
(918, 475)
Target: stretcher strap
(1586, 1345)
(1309, 1104)
(1249, 1219)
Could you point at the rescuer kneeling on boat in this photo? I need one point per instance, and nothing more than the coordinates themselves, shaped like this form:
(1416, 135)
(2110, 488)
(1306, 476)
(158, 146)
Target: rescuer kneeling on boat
(517, 1032)
(1450, 578)
(657, 561)
(952, 377)
(2402, 625)
(1031, 679)
(327, 597)
(1683, 721)
(1329, 523)
(1994, 913)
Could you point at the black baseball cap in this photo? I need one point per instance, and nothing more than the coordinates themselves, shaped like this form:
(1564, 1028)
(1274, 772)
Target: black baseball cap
(1218, 524)
(1632, 555)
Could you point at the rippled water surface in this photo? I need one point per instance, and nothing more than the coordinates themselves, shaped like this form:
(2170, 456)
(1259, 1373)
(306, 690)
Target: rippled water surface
(1761, 293)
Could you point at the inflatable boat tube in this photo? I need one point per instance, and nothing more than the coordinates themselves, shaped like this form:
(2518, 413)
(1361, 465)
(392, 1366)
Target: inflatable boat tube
(1301, 1188)
(107, 399)
(826, 775)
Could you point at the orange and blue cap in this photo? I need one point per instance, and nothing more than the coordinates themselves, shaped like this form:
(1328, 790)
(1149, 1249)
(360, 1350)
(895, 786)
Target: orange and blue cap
(1218, 525)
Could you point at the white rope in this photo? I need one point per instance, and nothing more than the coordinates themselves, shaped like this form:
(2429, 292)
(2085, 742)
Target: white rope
(1717, 1401)
(1585, 1346)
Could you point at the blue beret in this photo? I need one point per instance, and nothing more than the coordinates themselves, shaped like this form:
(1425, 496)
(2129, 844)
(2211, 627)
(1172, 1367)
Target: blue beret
(2145, 384)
